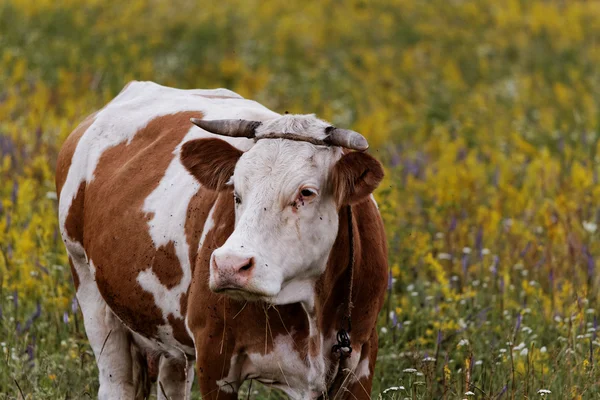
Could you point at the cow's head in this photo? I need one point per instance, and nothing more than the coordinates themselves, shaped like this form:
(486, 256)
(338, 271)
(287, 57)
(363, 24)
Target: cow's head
(288, 190)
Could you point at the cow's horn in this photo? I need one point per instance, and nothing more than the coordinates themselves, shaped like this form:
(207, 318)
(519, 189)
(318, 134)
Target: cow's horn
(228, 127)
(346, 138)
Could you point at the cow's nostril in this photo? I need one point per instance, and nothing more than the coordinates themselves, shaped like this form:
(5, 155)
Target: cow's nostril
(248, 265)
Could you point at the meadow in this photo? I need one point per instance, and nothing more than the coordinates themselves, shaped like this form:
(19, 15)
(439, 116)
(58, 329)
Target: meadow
(485, 113)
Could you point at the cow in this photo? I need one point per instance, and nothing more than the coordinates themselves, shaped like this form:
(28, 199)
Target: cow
(209, 235)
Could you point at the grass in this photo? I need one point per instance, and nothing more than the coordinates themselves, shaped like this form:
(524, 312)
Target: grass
(486, 115)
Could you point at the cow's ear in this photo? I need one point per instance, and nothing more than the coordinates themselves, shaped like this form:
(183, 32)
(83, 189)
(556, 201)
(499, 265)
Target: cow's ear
(211, 161)
(355, 176)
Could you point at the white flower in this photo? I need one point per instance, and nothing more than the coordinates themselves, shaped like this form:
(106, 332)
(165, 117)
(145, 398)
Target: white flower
(478, 362)
(469, 393)
(429, 359)
(467, 250)
(410, 287)
(543, 349)
(502, 351)
(590, 311)
(51, 195)
(463, 342)
(393, 389)
(524, 352)
(590, 226)
(410, 370)
(419, 374)
(444, 256)
(544, 392)
(521, 346)
(439, 235)
(485, 251)
(383, 330)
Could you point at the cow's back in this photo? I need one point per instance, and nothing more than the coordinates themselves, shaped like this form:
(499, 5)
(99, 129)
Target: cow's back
(124, 200)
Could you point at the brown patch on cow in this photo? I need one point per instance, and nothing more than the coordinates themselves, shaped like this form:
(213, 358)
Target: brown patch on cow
(354, 177)
(116, 234)
(74, 274)
(74, 220)
(65, 156)
(370, 274)
(179, 332)
(211, 161)
(166, 266)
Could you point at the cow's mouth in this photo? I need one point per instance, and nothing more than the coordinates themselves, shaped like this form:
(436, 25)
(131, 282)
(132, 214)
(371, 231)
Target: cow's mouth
(239, 293)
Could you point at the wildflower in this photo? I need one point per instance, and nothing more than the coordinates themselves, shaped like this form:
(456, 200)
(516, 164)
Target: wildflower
(383, 330)
(393, 389)
(543, 349)
(469, 393)
(52, 377)
(521, 346)
(444, 256)
(524, 352)
(485, 251)
(463, 342)
(429, 359)
(590, 226)
(409, 370)
(543, 392)
(466, 250)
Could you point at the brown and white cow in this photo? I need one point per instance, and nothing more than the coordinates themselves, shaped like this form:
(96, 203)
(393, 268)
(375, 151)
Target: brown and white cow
(234, 254)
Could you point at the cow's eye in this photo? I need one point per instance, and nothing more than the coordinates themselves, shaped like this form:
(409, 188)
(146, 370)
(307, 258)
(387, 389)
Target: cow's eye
(237, 198)
(306, 193)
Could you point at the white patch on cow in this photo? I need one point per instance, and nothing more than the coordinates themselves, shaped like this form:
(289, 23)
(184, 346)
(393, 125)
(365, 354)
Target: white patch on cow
(168, 208)
(362, 369)
(374, 201)
(283, 365)
(306, 125)
(231, 383)
(208, 225)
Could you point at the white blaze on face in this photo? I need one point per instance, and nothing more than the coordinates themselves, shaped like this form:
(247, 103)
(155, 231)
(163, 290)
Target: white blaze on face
(286, 216)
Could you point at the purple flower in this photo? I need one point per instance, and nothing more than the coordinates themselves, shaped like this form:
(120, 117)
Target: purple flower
(479, 241)
(495, 263)
(15, 192)
(591, 263)
(525, 250)
(465, 265)
(74, 305)
(518, 326)
(452, 224)
(65, 317)
(30, 354)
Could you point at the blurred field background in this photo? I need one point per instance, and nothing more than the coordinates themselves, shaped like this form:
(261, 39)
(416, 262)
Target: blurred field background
(485, 113)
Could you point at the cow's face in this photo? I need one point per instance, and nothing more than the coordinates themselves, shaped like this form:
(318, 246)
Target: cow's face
(287, 197)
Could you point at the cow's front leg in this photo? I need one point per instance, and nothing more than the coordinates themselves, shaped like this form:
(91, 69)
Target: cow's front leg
(175, 378)
(218, 369)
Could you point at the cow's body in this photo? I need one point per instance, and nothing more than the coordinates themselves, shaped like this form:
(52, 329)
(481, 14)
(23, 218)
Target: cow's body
(140, 231)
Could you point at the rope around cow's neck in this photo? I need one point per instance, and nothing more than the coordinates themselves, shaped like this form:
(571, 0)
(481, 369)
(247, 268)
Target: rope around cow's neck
(343, 347)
